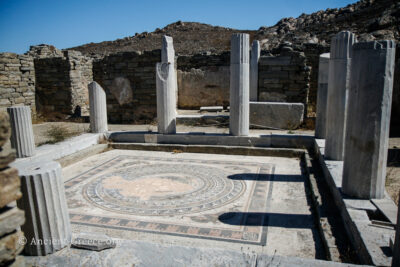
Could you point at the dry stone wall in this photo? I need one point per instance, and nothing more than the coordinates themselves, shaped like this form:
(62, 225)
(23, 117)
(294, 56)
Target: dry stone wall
(17, 81)
(284, 78)
(203, 80)
(61, 83)
(11, 218)
(130, 84)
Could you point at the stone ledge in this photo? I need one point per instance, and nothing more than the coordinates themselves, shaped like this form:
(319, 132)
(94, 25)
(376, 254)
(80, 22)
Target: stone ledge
(368, 240)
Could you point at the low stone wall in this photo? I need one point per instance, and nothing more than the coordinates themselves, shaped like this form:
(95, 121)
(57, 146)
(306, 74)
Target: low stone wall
(284, 78)
(17, 81)
(130, 84)
(203, 80)
(11, 218)
(61, 83)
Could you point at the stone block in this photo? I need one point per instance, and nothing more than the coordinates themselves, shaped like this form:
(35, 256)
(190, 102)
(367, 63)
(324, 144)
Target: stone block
(276, 115)
(11, 219)
(9, 186)
(5, 130)
(11, 246)
(7, 155)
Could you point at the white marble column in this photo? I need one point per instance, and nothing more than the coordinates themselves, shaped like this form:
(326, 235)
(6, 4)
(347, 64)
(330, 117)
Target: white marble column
(239, 85)
(254, 58)
(47, 227)
(166, 83)
(166, 98)
(322, 95)
(368, 120)
(22, 139)
(338, 85)
(98, 108)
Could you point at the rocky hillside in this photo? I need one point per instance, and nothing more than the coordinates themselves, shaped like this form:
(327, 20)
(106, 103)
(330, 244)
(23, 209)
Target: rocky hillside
(369, 19)
(189, 38)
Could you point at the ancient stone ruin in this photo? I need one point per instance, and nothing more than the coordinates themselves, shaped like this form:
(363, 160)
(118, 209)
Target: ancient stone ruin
(241, 185)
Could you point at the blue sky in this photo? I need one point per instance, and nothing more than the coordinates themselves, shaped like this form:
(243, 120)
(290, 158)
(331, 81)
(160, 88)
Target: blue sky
(70, 23)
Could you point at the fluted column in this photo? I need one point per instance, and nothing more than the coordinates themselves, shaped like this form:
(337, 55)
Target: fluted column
(47, 227)
(368, 120)
(254, 58)
(239, 85)
(338, 86)
(98, 108)
(166, 84)
(22, 139)
(322, 95)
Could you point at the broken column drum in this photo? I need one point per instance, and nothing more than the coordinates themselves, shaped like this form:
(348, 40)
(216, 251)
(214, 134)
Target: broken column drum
(98, 108)
(22, 139)
(254, 58)
(338, 85)
(239, 85)
(166, 84)
(369, 107)
(322, 95)
(47, 227)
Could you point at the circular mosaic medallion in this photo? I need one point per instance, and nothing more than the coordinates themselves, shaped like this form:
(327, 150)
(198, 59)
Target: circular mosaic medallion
(164, 189)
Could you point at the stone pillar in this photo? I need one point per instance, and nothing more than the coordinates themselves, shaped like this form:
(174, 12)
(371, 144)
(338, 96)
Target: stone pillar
(322, 95)
(43, 200)
(166, 84)
(254, 58)
(21, 131)
(239, 85)
(369, 106)
(338, 85)
(396, 248)
(98, 108)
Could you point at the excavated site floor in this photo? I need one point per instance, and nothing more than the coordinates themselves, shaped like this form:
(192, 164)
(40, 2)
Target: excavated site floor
(244, 203)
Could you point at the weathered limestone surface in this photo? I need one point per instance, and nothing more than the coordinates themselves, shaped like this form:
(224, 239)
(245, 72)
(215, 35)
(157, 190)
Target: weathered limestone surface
(254, 58)
(9, 186)
(239, 85)
(10, 217)
(338, 87)
(322, 95)
(43, 200)
(166, 84)
(17, 81)
(276, 115)
(166, 98)
(369, 106)
(21, 131)
(98, 108)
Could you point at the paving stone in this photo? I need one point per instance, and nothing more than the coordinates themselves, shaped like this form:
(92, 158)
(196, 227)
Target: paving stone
(93, 241)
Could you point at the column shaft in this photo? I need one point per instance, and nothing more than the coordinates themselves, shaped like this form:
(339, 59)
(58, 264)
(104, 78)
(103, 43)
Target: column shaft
(239, 85)
(369, 106)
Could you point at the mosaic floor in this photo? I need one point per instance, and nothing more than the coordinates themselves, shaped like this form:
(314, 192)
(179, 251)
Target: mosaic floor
(208, 197)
